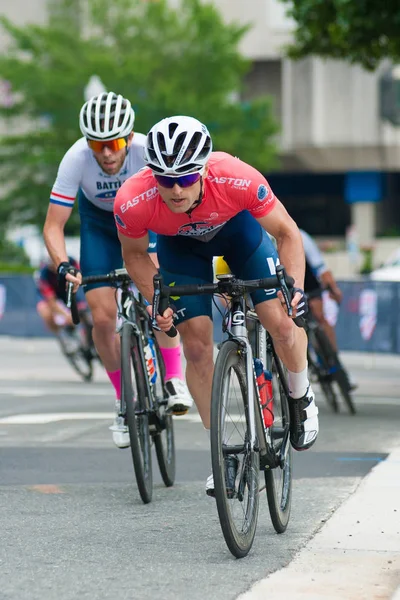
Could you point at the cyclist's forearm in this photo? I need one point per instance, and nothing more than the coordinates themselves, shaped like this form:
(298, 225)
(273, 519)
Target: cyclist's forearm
(141, 270)
(328, 281)
(54, 239)
(289, 242)
(291, 256)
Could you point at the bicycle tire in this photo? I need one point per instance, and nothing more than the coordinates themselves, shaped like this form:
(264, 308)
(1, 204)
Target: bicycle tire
(278, 481)
(324, 383)
(343, 383)
(136, 416)
(339, 375)
(238, 541)
(90, 347)
(164, 441)
(79, 360)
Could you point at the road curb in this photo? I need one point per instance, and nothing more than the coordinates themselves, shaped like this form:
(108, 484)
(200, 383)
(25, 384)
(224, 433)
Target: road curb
(356, 554)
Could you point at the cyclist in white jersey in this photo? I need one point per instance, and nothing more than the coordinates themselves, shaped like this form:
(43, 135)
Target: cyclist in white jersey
(93, 170)
(319, 277)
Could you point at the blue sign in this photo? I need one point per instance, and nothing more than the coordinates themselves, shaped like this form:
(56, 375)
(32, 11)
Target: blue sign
(363, 186)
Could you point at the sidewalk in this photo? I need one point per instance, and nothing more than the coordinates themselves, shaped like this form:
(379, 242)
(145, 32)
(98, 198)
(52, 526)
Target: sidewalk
(356, 554)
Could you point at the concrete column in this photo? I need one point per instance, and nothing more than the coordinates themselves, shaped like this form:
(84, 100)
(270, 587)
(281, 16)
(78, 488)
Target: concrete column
(363, 216)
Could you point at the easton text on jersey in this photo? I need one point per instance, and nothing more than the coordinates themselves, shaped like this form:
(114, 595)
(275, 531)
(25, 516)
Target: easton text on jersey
(147, 195)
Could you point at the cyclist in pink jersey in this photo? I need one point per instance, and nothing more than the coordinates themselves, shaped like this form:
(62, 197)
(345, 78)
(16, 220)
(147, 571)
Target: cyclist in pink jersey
(203, 204)
(223, 198)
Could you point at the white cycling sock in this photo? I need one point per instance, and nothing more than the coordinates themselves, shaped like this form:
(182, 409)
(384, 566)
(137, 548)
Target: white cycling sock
(298, 383)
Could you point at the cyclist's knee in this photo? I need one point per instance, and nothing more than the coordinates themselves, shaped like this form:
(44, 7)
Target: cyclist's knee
(103, 320)
(284, 334)
(276, 321)
(197, 340)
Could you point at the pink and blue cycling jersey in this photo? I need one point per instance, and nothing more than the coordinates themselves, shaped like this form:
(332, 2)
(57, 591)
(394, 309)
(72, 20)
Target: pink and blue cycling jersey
(231, 186)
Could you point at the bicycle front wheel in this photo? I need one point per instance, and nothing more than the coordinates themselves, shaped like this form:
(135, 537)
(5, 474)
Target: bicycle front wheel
(78, 358)
(163, 437)
(278, 481)
(235, 464)
(136, 406)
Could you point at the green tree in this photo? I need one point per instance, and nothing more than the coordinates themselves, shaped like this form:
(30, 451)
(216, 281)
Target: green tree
(360, 31)
(183, 61)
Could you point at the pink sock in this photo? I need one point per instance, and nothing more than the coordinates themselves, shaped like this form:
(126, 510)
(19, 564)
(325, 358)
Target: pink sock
(173, 363)
(115, 378)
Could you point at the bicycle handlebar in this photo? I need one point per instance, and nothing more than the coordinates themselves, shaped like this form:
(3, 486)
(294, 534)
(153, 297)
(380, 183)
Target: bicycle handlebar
(116, 276)
(230, 286)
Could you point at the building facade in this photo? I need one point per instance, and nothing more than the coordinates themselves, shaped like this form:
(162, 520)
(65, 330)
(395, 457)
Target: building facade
(334, 145)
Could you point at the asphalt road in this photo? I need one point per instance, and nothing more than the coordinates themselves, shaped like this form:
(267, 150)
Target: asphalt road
(71, 520)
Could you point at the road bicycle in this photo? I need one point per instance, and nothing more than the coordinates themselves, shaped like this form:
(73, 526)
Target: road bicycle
(143, 394)
(241, 445)
(325, 366)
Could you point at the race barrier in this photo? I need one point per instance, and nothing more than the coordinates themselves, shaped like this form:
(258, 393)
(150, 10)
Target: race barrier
(18, 299)
(367, 320)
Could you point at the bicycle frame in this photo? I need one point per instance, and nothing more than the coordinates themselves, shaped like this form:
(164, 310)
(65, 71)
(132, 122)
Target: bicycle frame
(128, 312)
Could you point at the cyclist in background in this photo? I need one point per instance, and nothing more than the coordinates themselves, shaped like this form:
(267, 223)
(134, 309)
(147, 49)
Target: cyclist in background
(317, 279)
(51, 306)
(94, 168)
(203, 204)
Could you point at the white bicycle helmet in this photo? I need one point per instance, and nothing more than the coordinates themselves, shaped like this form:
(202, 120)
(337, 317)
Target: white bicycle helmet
(106, 117)
(177, 146)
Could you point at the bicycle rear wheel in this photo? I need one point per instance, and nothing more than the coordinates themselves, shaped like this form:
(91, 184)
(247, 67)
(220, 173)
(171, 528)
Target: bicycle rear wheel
(163, 437)
(278, 481)
(339, 375)
(136, 405)
(343, 383)
(321, 376)
(235, 463)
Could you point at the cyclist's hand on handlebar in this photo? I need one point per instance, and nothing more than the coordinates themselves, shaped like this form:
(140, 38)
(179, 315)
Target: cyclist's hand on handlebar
(299, 302)
(66, 272)
(75, 278)
(164, 321)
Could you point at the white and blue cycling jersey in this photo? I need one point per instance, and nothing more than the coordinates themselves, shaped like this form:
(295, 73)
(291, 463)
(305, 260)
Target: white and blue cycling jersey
(80, 176)
(79, 170)
(313, 254)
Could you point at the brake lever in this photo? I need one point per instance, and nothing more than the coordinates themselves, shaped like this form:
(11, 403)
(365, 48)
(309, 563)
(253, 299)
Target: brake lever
(280, 273)
(70, 287)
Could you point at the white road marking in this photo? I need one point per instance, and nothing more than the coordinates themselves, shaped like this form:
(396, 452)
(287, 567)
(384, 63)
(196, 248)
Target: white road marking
(67, 391)
(45, 418)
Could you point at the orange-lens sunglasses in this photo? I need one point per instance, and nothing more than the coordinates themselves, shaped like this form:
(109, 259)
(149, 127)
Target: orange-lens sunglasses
(113, 145)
